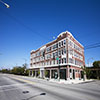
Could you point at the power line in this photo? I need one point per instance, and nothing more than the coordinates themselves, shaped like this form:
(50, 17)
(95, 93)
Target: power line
(24, 25)
(92, 45)
(38, 34)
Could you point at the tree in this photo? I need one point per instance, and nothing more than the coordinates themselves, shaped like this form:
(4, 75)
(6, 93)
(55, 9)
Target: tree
(26, 71)
(88, 73)
(25, 65)
(96, 64)
(46, 73)
(5, 71)
(18, 70)
(84, 72)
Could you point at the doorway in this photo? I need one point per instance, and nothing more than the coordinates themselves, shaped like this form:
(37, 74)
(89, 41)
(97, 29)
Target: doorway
(73, 74)
(63, 74)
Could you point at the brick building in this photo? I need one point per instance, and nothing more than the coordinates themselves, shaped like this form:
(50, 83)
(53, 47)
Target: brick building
(62, 58)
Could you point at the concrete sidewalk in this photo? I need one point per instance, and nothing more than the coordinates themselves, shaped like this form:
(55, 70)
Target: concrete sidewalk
(61, 81)
(71, 81)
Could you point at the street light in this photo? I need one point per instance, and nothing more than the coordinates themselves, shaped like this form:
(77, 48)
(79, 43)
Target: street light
(5, 4)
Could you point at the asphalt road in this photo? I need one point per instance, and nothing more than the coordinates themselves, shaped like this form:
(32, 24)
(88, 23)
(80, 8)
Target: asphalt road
(14, 87)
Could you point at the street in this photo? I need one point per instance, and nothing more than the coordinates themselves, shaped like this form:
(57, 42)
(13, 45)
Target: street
(13, 87)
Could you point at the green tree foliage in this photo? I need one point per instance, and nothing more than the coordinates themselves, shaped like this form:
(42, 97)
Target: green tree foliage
(26, 73)
(46, 73)
(96, 64)
(18, 70)
(5, 71)
(25, 65)
(38, 72)
(86, 72)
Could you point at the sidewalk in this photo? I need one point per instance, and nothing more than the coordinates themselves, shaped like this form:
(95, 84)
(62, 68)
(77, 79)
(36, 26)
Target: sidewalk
(61, 81)
(71, 81)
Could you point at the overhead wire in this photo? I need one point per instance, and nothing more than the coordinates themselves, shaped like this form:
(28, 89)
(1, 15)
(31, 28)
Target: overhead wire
(41, 35)
(24, 25)
(92, 46)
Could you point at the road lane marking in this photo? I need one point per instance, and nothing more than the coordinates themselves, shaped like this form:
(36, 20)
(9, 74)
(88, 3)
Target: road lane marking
(23, 80)
(18, 84)
(10, 87)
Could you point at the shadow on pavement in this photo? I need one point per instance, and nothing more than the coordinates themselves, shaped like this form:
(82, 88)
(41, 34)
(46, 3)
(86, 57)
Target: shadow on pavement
(34, 96)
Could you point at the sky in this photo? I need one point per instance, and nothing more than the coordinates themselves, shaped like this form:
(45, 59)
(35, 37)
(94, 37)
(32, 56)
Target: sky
(29, 24)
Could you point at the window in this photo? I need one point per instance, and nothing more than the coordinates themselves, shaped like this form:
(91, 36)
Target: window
(43, 63)
(43, 53)
(64, 60)
(59, 61)
(48, 49)
(50, 62)
(71, 51)
(53, 55)
(59, 44)
(64, 42)
(78, 63)
(48, 56)
(53, 61)
(71, 60)
(38, 53)
(70, 70)
(59, 52)
(64, 50)
(56, 54)
(53, 47)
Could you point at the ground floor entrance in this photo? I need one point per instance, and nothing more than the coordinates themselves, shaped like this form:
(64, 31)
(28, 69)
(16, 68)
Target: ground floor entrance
(64, 72)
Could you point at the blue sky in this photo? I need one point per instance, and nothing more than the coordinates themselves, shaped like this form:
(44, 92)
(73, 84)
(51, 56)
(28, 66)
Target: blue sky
(28, 24)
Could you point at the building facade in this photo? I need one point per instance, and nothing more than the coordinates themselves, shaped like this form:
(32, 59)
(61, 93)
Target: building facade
(60, 59)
